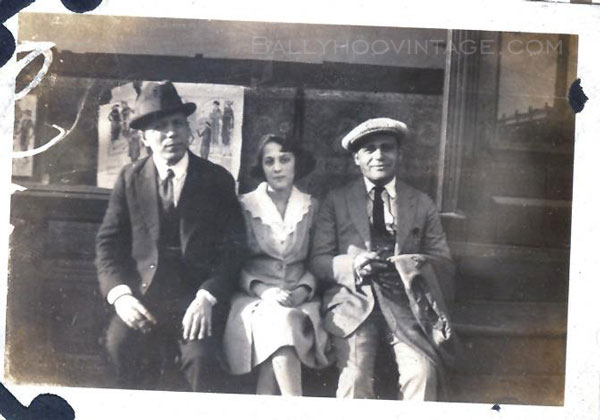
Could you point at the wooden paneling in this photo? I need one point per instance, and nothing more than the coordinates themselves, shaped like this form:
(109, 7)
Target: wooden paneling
(56, 316)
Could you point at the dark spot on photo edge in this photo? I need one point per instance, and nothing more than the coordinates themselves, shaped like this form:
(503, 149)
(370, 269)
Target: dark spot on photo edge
(81, 6)
(577, 97)
(9, 8)
(7, 45)
(42, 407)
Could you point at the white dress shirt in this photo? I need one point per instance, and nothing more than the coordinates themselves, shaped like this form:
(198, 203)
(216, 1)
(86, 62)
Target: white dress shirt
(388, 196)
(180, 171)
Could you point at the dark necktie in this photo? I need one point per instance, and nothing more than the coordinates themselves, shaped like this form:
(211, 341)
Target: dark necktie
(166, 191)
(378, 217)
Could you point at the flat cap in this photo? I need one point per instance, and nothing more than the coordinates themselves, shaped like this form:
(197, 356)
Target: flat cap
(352, 140)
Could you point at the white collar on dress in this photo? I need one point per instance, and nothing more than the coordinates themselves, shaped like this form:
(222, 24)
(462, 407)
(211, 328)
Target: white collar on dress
(390, 187)
(261, 206)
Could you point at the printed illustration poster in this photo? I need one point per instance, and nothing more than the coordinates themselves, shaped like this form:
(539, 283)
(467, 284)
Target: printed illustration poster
(117, 143)
(216, 127)
(24, 134)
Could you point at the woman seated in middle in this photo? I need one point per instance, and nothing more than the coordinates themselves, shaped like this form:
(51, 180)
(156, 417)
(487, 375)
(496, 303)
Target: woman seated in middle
(275, 322)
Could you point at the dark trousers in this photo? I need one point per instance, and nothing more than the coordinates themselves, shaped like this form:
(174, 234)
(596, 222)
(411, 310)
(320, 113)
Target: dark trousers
(140, 360)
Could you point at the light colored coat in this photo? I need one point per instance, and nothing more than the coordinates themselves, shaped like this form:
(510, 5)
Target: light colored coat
(342, 231)
(278, 252)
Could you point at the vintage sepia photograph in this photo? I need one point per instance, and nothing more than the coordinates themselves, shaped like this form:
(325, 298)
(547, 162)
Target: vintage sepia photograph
(316, 210)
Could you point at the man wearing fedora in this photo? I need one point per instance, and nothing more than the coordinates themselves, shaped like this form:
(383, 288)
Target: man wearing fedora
(168, 251)
(380, 248)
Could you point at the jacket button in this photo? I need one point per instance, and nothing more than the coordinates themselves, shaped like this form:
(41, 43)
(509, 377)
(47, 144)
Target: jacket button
(152, 266)
(144, 285)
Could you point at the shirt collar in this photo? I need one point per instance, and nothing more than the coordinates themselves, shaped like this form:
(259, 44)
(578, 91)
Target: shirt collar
(390, 187)
(260, 205)
(179, 168)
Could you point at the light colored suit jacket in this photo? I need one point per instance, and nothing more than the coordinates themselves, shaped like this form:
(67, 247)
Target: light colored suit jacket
(342, 230)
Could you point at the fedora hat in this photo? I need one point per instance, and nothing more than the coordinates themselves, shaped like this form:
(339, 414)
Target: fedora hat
(157, 100)
(358, 134)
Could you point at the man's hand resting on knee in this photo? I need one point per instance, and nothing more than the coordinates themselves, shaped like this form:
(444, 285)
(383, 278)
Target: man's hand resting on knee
(134, 314)
(197, 321)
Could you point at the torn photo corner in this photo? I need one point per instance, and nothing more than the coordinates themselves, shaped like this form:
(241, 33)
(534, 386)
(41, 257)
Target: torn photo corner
(501, 113)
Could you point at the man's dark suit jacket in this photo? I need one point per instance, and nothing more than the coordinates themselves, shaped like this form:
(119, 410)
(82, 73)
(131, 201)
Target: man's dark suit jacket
(212, 230)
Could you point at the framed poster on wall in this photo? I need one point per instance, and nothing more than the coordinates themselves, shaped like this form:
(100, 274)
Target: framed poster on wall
(216, 127)
(24, 135)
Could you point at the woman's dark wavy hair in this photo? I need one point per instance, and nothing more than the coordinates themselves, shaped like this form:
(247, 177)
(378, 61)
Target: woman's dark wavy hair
(304, 160)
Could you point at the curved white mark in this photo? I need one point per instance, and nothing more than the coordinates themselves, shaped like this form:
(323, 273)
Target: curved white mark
(36, 49)
(62, 133)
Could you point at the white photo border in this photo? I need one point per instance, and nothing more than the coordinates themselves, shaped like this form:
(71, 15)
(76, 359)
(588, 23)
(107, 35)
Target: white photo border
(582, 384)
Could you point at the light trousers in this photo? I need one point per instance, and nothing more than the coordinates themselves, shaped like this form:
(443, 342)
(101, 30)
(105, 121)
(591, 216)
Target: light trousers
(356, 361)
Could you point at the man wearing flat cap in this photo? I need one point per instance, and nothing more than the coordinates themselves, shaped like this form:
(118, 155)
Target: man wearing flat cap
(380, 247)
(168, 252)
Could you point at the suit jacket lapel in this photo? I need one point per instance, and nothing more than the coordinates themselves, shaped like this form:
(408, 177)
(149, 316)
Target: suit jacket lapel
(193, 195)
(147, 197)
(357, 200)
(405, 213)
